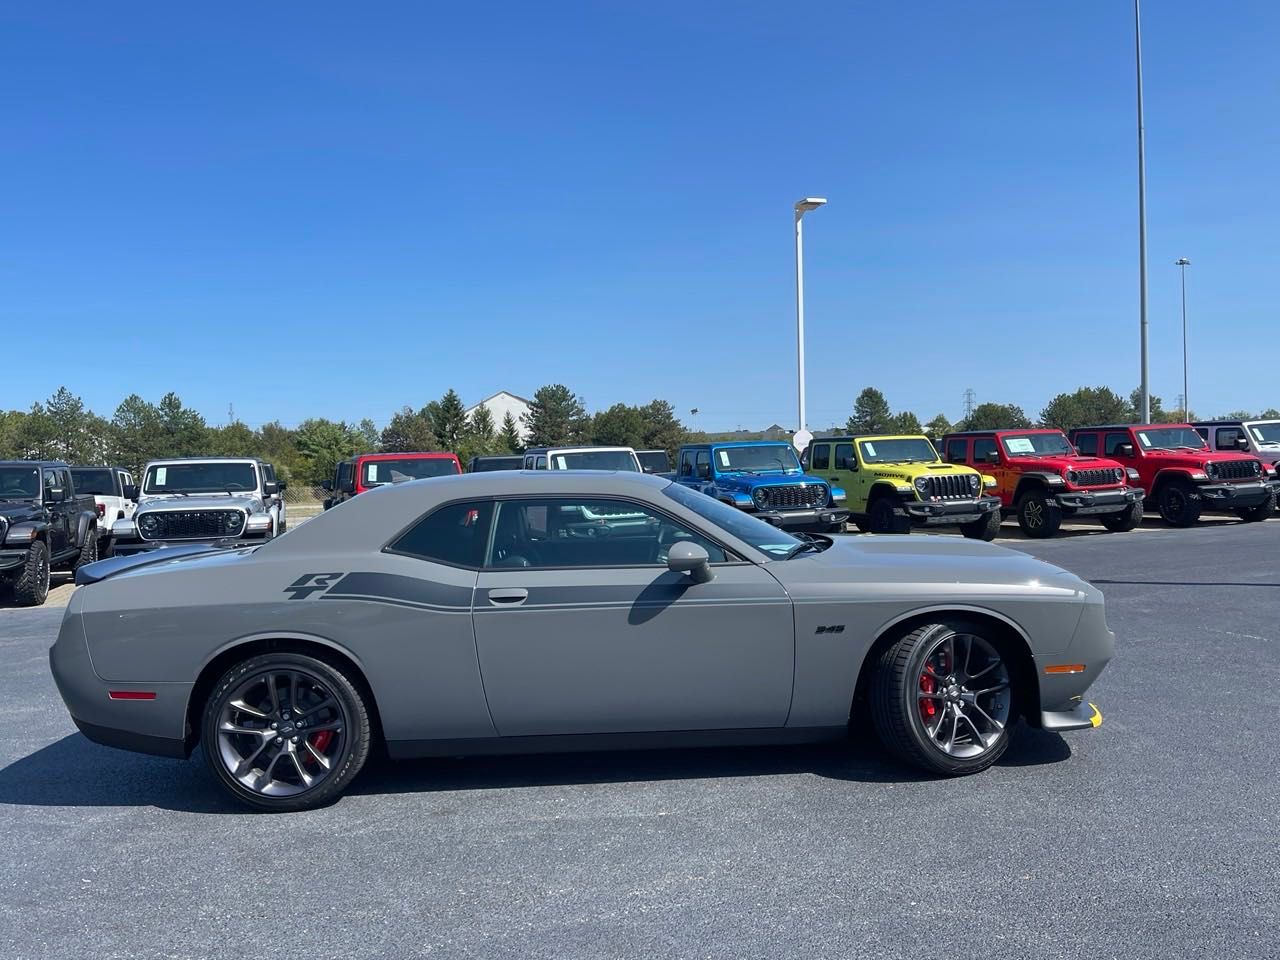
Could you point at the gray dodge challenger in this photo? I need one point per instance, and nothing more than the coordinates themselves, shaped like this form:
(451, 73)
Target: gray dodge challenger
(545, 611)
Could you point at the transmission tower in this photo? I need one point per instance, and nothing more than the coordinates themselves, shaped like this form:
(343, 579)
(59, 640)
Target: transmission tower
(969, 397)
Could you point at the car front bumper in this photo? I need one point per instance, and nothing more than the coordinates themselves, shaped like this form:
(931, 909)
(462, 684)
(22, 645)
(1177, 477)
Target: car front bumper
(1234, 496)
(11, 559)
(1081, 503)
(936, 513)
(802, 519)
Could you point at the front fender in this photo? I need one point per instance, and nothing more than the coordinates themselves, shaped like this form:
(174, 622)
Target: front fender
(87, 521)
(21, 534)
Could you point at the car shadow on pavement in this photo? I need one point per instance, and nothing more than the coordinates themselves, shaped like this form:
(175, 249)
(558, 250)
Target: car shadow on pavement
(73, 772)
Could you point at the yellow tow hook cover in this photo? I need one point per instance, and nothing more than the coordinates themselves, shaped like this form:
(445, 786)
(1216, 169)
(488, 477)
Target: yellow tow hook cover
(1096, 719)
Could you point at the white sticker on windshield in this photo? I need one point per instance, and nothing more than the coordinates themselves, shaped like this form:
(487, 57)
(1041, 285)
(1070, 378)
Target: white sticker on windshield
(373, 473)
(1020, 445)
(558, 463)
(724, 457)
(870, 448)
(1144, 439)
(161, 473)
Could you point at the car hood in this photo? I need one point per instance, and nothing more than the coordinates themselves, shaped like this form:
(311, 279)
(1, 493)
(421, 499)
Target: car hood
(16, 508)
(1195, 459)
(939, 566)
(1059, 464)
(213, 501)
(748, 481)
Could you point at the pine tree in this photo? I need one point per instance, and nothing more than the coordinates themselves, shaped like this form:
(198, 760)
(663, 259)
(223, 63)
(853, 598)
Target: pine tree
(509, 435)
(449, 421)
(870, 413)
(556, 416)
(409, 432)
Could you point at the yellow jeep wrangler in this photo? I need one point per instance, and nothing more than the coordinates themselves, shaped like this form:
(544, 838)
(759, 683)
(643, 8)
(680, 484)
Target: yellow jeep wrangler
(893, 483)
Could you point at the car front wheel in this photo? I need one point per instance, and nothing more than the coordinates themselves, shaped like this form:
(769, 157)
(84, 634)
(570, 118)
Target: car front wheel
(941, 699)
(31, 589)
(1179, 503)
(1038, 517)
(285, 731)
(883, 517)
(1124, 521)
(984, 529)
(1261, 512)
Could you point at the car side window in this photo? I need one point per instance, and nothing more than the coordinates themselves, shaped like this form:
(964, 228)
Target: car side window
(540, 463)
(1087, 444)
(1112, 442)
(456, 534)
(50, 479)
(982, 448)
(844, 457)
(703, 465)
(821, 457)
(587, 532)
(686, 464)
(957, 450)
(1227, 437)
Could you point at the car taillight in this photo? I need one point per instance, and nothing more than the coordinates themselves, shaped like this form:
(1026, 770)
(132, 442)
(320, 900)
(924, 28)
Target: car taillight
(102, 510)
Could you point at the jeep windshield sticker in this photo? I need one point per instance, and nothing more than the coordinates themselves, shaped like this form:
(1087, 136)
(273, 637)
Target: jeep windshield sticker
(724, 457)
(870, 448)
(161, 474)
(1144, 439)
(1020, 445)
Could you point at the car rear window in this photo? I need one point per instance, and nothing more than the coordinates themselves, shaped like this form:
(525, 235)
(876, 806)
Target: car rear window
(456, 534)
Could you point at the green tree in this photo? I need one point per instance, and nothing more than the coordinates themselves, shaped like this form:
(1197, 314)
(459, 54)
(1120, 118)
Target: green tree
(134, 433)
(1087, 405)
(619, 426)
(183, 431)
(662, 428)
(939, 426)
(509, 435)
(279, 445)
(368, 436)
(478, 440)
(37, 435)
(870, 413)
(322, 444)
(234, 440)
(1271, 413)
(74, 433)
(10, 434)
(556, 416)
(449, 421)
(408, 431)
(996, 416)
(905, 422)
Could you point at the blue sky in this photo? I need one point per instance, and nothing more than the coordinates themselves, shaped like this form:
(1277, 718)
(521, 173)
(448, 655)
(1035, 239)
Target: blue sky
(335, 210)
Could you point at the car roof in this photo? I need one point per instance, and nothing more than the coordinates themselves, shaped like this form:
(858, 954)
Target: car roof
(741, 443)
(575, 447)
(206, 460)
(1126, 426)
(868, 436)
(987, 433)
(34, 463)
(406, 455)
(98, 466)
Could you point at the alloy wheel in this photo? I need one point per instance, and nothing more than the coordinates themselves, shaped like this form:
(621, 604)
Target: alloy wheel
(964, 695)
(1033, 514)
(281, 732)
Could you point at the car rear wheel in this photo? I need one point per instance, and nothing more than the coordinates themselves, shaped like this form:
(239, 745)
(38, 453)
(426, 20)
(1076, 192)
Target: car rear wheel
(31, 589)
(942, 699)
(1179, 504)
(984, 529)
(88, 551)
(1038, 517)
(1124, 521)
(1261, 512)
(285, 731)
(883, 517)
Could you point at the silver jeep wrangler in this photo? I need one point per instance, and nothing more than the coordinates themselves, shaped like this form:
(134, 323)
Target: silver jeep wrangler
(227, 501)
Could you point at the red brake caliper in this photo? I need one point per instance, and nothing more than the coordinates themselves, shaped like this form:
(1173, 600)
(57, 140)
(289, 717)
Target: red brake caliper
(928, 707)
(319, 741)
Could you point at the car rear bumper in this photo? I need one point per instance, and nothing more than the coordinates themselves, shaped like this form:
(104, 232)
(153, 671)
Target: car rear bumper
(816, 517)
(1090, 502)
(1232, 496)
(929, 513)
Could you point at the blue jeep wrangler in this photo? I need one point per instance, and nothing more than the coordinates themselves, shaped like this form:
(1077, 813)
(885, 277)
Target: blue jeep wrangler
(765, 479)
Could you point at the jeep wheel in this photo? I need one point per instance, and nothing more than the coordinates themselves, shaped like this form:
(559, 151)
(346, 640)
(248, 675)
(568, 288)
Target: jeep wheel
(941, 698)
(984, 529)
(1038, 517)
(89, 551)
(1179, 504)
(32, 586)
(1261, 512)
(883, 517)
(1124, 521)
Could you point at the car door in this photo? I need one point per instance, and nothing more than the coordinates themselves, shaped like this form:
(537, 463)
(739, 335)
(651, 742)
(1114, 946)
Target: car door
(581, 628)
(845, 474)
(57, 512)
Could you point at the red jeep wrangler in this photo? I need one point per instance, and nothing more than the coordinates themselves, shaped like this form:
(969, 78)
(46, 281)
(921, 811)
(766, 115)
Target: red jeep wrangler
(368, 470)
(1180, 473)
(1041, 476)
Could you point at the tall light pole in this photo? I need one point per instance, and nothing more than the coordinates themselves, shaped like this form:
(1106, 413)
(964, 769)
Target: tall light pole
(1182, 263)
(802, 207)
(1145, 388)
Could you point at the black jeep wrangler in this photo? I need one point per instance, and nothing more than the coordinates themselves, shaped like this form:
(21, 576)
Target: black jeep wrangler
(43, 526)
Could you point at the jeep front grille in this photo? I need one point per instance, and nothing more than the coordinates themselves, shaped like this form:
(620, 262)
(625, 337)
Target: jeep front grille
(793, 496)
(1235, 470)
(949, 486)
(1098, 477)
(191, 524)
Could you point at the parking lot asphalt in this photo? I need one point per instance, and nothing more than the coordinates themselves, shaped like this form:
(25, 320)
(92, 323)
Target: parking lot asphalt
(1154, 836)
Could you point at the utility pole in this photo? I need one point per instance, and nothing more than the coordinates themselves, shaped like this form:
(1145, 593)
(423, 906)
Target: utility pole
(1145, 387)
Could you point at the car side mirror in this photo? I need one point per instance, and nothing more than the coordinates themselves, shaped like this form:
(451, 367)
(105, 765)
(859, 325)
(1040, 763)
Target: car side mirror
(282, 485)
(992, 457)
(55, 494)
(1242, 443)
(691, 558)
(348, 486)
(326, 485)
(703, 471)
(1125, 449)
(270, 488)
(130, 491)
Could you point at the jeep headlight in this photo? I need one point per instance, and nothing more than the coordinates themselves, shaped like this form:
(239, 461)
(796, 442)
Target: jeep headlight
(149, 524)
(975, 482)
(922, 483)
(1257, 467)
(1211, 469)
(761, 497)
(1118, 472)
(1071, 476)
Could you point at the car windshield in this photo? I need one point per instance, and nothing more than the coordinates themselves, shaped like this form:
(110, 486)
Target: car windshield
(653, 461)
(1266, 432)
(378, 472)
(211, 477)
(19, 483)
(1170, 438)
(595, 460)
(763, 536)
(1037, 445)
(904, 450)
(487, 464)
(100, 482)
(776, 457)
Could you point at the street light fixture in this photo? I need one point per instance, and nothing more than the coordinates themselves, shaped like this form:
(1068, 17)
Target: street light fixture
(1182, 263)
(802, 207)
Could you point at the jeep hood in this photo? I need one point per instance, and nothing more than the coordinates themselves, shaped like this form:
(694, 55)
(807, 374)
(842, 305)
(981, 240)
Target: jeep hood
(1064, 462)
(858, 566)
(748, 481)
(203, 501)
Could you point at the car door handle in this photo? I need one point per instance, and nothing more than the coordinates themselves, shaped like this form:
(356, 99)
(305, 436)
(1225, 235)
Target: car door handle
(508, 598)
(834, 479)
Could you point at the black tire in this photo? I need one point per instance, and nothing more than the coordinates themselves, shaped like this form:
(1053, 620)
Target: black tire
(835, 527)
(897, 708)
(863, 526)
(347, 719)
(31, 589)
(1179, 503)
(1124, 521)
(1261, 512)
(984, 529)
(1037, 517)
(883, 517)
(88, 549)
(107, 548)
